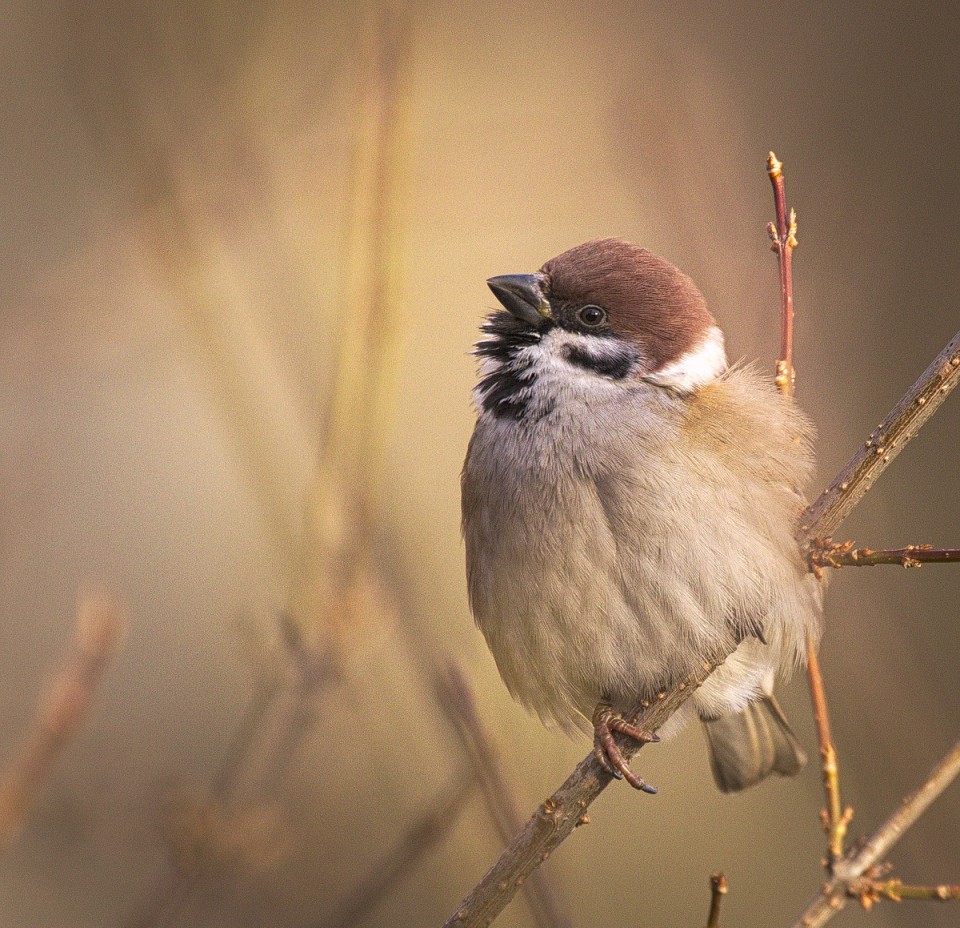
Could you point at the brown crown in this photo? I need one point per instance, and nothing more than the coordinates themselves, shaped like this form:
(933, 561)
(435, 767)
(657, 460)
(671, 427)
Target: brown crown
(647, 299)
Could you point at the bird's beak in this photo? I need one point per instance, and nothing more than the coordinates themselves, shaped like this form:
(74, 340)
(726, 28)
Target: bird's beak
(522, 295)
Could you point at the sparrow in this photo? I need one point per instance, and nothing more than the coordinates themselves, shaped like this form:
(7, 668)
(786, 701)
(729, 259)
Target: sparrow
(629, 505)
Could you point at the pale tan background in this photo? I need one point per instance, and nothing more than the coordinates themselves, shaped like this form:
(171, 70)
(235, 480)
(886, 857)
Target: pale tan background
(532, 129)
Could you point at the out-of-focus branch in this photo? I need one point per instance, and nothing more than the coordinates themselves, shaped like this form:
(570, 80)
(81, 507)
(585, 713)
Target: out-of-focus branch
(456, 699)
(65, 703)
(421, 837)
(718, 889)
(827, 553)
(856, 863)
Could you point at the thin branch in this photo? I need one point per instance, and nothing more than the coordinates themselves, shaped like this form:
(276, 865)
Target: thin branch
(718, 889)
(918, 404)
(868, 891)
(848, 871)
(556, 817)
(65, 704)
(456, 699)
(835, 817)
(783, 235)
(826, 553)
(431, 828)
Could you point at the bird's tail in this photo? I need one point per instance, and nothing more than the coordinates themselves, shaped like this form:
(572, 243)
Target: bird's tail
(747, 746)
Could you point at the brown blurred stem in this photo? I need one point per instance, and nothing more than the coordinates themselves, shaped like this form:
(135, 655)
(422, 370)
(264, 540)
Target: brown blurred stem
(783, 235)
(456, 698)
(826, 553)
(849, 870)
(718, 889)
(64, 705)
(431, 828)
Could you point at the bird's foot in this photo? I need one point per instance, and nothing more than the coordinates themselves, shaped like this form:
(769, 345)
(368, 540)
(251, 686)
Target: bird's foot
(606, 749)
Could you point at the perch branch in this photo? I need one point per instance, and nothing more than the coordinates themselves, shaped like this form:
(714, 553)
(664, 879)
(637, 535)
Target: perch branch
(849, 871)
(718, 889)
(557, 816)
(64, 705)
(826, 553)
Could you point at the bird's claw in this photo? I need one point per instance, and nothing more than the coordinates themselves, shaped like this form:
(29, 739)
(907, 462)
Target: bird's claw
(607, 751)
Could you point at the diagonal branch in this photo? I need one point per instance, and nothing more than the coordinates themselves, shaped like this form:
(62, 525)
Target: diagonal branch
(918, 404)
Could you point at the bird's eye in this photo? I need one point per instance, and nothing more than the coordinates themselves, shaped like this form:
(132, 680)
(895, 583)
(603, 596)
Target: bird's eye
(592, 316)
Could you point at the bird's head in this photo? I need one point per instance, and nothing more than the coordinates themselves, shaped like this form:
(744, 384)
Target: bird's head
(619, 311)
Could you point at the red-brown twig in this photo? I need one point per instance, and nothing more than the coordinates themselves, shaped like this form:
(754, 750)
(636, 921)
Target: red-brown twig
(783, 235)
(718, 889)
(64, 705)
(826, 553)
(851, 868)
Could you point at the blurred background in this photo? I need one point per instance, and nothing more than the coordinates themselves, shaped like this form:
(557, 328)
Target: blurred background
(241, 268)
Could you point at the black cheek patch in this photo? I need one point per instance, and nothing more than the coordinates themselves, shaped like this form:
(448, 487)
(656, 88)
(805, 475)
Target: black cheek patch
(613, 364)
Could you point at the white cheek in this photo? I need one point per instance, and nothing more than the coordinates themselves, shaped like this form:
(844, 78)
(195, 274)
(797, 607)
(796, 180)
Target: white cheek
(695, 369)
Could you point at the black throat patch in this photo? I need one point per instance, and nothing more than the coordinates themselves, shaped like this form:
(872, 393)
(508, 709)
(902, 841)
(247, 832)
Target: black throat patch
(506, 391)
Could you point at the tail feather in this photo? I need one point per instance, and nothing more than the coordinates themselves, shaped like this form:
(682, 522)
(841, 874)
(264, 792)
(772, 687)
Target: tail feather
(747, 746)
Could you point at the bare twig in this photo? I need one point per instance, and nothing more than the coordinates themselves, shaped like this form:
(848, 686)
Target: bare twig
(431, 828)
(868, 891)
(857, 862)
(783, 235)
(455, 697)
(835, 817)
(64, 705)
(718, 889)
(827, 553)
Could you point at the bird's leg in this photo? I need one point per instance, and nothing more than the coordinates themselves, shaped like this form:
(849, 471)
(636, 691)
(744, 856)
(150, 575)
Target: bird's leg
(606, 749)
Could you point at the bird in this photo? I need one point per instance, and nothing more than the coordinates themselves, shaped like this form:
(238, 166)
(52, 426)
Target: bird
(630, 504)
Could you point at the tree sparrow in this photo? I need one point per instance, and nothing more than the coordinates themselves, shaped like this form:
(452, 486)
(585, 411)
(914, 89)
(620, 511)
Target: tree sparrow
(629, 505)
